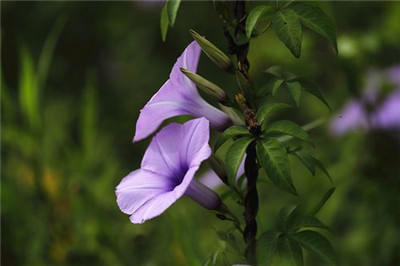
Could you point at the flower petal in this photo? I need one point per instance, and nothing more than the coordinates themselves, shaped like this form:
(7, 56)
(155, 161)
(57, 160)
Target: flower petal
(188, 60)
(194, 141)
(139, 187)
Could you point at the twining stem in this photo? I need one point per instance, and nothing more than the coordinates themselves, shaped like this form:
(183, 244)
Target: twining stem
(251, 203)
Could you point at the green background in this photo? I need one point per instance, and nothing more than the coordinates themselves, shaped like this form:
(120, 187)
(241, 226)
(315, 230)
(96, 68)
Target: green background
(66, 141)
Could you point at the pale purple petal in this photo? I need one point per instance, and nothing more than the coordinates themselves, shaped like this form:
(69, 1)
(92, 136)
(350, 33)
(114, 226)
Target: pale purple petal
(167, 170)
(353, 117)
(139, 187)
(388, 115)
(179, 96)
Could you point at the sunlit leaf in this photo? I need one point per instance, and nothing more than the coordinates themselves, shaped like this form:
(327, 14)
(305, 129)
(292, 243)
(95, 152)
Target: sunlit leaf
(231, 132)
(234, 157)
(287, 127)
(288, 29)
(314, 18)
(28, 89)
(318, 244)
(273, 158)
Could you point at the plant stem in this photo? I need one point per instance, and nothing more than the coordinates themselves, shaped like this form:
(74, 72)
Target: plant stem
(251, 203)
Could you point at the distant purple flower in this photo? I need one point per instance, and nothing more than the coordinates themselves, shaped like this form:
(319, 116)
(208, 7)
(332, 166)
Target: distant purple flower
(385, 114)
(167, 172)
(179, 96)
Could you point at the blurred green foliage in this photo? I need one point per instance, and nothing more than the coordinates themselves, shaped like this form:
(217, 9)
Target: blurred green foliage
(74, 77)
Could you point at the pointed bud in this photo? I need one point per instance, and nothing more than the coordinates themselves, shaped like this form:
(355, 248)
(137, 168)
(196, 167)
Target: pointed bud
(209, 88)
(215, 54)
(240, 98)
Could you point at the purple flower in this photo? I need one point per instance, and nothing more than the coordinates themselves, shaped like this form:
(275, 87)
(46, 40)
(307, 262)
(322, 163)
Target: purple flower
(179, 96)
(167, 172)
(384, 115)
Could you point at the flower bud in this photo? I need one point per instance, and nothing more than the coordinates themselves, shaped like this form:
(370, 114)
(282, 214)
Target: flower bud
(215, 54)
(203, 195)
(209, 88)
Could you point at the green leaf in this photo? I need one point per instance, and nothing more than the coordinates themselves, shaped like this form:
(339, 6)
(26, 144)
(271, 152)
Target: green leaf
(231, 132)
(285, 216)
(234, 157)
(321, 166)
(307, 160)
(253, 17)
(302, 221)
(289, 128)
(314, 18)
(295, 90)
(273, 158)
(318, 244)
(288, 28)
(269, 110)
(28, 89)
(290, 252)
(172, 10)
(275, 85)
(266, 247)
(314, 90)
(164, 23)
(275, 71)
(47, 52)
(322, 202)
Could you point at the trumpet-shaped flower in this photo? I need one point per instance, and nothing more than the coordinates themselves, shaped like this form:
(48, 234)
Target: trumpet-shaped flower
(167, 172)
(179, 96)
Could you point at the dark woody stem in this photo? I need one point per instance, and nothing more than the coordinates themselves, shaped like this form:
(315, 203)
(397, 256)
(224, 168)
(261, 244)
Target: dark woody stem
(250, 165)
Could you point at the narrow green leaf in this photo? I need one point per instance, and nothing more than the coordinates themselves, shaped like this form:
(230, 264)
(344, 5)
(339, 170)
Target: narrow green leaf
(47, 52)
(314, 18)
(253, 17)
(231, 132)
(28, 89)
(322, 202)
(288, 29)
(307, 160)
(164, 23)
(267, 111)
(273, 158)
(289, 128)
(172, 10)
(290, 252)
(234, 157)
(303, 221)
(313, 90)
(282, 3)
(318, 244)
(266, 247)
(321, 166)
(295, 90)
